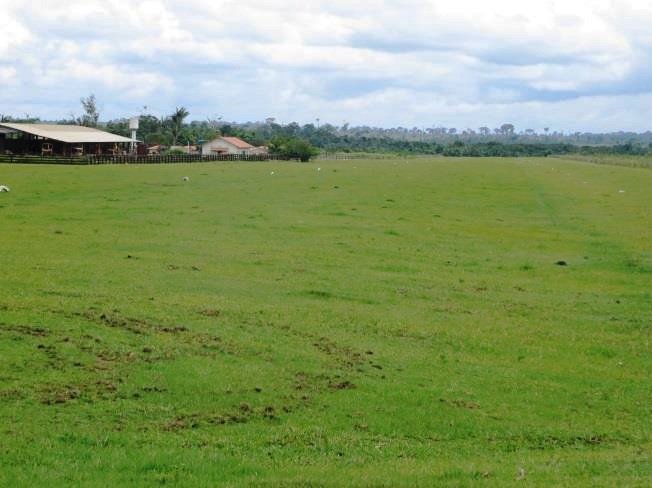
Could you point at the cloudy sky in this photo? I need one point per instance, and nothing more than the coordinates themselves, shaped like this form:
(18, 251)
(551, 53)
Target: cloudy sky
(570, 64)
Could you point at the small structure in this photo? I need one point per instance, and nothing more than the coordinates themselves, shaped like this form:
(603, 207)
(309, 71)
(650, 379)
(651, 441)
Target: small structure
(155, 149)
(59, 140)
(259, 151)
(133, 127)
(188, 149)
(231, 145)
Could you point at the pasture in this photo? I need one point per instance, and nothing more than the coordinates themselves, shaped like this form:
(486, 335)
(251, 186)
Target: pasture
(612, 159)
(406, 322)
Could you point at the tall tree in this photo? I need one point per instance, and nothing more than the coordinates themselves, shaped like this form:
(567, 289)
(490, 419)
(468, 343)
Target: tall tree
(507, 129)
(176, 123)
(91, 113)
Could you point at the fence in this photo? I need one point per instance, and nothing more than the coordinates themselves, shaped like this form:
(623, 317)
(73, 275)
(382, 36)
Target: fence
(131, 159)
(175, 158)
(344, 156)
(27, 159)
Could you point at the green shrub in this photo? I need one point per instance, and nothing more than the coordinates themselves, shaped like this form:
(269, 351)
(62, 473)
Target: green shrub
(292, 148)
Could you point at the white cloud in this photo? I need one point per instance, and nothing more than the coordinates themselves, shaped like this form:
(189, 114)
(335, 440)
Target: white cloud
(7, 74)
(566, 64)
(12, 35)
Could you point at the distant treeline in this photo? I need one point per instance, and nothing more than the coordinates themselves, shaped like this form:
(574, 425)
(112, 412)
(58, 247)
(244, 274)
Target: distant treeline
(498, 149)
(489, 149)
(502, 141)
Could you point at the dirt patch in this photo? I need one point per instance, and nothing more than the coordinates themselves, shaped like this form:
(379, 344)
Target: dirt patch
(133, 325)
(12, 394)
(241, 414)
(174, 330)
(341, 385)
(210, 312)
(54, 396)
(319, 294)
(459, 403)
(30, 330)
(182, 422)
(154, 389)
(345, 356)
(106, 386)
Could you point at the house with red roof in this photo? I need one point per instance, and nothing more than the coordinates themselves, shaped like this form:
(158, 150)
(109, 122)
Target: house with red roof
(231, 145)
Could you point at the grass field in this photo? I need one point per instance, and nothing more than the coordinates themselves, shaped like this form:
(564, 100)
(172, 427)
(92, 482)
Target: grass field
(374, 323)
(615, 159)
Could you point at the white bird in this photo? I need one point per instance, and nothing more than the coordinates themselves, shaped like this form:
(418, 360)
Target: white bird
(185, 178)
(4, 189)
(272, 173)
(318, 169)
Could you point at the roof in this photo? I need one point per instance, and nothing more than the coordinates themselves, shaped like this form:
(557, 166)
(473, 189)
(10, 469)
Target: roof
(239, 143)
(65, 133)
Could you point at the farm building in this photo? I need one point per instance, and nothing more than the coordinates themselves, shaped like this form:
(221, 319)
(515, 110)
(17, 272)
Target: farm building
(232, 145)
(59, 140)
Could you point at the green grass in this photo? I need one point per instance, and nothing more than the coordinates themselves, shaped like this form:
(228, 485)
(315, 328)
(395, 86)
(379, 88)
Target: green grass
(615, 159)
(375, 323)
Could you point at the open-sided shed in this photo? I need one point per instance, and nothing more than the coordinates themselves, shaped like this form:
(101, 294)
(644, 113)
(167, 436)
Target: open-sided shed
(59, 140)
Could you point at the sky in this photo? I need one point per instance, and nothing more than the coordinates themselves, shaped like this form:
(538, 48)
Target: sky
(571, 65)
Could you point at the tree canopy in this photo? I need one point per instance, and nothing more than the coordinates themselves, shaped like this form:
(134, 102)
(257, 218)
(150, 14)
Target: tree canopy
(301, 141)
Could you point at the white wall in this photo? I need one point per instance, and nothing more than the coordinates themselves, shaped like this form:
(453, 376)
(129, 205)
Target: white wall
(228, 148)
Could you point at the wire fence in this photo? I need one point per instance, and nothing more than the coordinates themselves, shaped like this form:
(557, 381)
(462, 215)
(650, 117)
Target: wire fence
(132, 159)
(176, 158)
(345, 156)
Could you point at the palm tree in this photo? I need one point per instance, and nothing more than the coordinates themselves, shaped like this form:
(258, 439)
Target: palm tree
(176, 122)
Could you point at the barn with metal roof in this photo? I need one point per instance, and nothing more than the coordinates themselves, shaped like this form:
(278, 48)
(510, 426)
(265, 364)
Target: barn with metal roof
(59, 139)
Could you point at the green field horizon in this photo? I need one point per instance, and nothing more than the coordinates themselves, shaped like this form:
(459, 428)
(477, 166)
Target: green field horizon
(395, 322)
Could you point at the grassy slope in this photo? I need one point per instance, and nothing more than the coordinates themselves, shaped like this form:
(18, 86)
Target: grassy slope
(395, 322)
